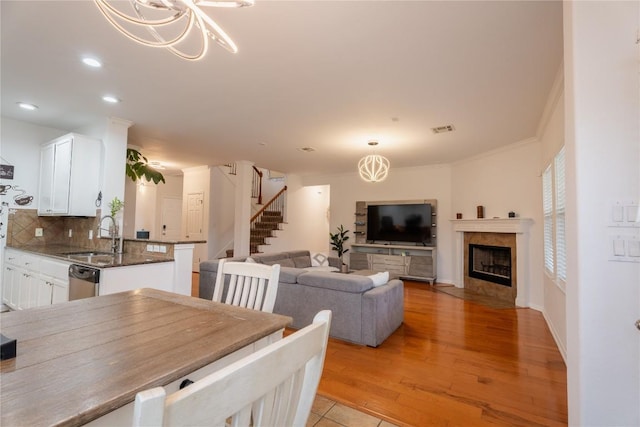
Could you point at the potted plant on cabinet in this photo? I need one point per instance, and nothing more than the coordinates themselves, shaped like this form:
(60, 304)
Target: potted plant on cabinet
(115, 206)
(337, 244)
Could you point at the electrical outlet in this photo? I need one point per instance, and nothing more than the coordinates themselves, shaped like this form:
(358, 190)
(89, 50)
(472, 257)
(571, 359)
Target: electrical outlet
(39, 232)
(90, 234)
(70, 232)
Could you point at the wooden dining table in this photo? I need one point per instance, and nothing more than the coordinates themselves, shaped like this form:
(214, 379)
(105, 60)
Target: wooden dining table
(80, 361)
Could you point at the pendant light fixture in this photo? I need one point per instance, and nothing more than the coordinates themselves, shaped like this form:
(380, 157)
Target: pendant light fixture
(374, 167)
(169, 23)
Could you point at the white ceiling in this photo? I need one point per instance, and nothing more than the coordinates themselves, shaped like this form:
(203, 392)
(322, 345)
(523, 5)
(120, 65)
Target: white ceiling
(324, 74)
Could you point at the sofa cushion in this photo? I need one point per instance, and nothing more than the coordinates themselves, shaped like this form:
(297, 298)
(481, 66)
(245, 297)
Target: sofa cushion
(285, 262)
(212, 265)
(269, 259)
(322, 268)
(303, 261)
(341, 282)
(290, 275)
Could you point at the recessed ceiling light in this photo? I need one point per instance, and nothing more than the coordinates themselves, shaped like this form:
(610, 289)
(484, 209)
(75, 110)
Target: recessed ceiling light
(92, 62)
(110, 99)
(27, 106)
(307, 149)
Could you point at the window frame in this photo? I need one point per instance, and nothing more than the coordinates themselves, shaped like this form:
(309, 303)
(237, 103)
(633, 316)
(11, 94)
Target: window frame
(554, 219)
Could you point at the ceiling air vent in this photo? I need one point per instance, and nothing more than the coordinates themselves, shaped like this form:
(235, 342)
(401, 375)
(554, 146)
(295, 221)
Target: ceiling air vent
(443, 129)
(307, 149)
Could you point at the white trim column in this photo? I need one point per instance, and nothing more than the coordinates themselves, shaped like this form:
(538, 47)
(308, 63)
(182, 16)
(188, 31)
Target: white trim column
(242, 226)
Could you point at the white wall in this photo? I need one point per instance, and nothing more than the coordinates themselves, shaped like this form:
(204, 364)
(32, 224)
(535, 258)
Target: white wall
(146, 208)
(222, 213)
(552, 140)
(21, 148)
(171, 188)
(307, 224)
(427, 182)
(504, 180)
(602, 111)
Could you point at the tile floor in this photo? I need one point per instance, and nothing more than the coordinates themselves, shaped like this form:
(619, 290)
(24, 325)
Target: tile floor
(327, 413)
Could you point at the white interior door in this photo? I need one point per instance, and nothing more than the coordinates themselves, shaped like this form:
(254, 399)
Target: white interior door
(171, 218)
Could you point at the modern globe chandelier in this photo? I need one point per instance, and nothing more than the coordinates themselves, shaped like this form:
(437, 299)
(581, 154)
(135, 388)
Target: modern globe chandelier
(168, 23)
(374, 167)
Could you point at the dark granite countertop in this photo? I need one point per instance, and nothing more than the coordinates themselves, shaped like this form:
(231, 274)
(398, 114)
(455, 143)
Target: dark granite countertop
(166, 241)
(100, 259)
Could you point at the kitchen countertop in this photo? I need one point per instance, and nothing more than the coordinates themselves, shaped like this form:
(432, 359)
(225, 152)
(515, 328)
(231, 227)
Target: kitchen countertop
(104, 260)
(166, 241)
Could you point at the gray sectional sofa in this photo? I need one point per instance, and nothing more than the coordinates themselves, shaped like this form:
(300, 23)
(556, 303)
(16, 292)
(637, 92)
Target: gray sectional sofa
(362, 313)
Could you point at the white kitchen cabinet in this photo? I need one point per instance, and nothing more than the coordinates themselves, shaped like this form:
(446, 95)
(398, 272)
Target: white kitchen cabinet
(32, 281)
(10, 285)
(69, 176)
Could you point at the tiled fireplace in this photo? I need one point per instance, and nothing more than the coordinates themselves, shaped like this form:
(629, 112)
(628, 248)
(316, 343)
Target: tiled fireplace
(491, 258)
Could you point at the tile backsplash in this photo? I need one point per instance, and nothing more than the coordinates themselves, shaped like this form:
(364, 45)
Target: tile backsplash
(22, 225)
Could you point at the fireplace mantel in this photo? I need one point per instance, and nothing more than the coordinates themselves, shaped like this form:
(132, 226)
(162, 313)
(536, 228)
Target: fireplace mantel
(519, 226)
(492, 225)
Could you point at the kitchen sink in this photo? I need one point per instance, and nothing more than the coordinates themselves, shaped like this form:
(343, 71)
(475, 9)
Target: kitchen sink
(92, 257)
(88, 253)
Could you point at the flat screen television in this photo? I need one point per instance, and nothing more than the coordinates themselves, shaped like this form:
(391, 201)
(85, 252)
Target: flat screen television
(399, 223)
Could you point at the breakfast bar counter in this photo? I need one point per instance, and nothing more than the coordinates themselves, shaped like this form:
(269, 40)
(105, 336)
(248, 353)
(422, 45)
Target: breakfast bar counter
(81, 360)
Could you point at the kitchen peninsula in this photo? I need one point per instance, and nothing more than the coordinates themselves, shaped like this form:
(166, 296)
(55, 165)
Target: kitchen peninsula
(37, 274)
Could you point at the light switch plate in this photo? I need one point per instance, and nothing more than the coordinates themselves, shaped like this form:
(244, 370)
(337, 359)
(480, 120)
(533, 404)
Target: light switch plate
(39, 232)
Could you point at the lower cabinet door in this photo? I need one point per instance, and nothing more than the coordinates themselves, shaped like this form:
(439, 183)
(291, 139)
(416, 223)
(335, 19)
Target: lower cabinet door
(60, 291)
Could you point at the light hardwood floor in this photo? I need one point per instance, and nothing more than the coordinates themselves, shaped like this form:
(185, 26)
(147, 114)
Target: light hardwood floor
(452, 363)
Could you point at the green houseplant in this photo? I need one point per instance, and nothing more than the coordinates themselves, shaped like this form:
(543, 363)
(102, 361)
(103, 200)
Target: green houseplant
(338, 240)
(115, 205)
(138, 167)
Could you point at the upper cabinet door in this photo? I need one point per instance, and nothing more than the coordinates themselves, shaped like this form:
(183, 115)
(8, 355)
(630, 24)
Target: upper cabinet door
(70, 176)
(45, 193)
(62, 177)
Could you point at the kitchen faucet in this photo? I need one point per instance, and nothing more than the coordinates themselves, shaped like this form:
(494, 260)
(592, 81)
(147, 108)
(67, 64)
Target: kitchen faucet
(116, 248)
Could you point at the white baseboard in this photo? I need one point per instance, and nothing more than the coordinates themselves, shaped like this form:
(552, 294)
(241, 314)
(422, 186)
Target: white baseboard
(554, 334)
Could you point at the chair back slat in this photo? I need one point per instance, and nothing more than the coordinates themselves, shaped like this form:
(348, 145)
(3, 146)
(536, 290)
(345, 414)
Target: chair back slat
(250, 285)
(274, 386)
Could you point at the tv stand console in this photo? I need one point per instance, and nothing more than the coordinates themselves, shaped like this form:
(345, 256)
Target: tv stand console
(410, 262)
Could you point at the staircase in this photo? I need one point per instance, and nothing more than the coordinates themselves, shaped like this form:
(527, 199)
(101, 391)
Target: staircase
(260, 230)
(268, 218)
(266, 221)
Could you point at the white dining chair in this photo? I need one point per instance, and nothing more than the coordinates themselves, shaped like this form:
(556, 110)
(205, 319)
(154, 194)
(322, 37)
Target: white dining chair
(274, 386)
(251, 285)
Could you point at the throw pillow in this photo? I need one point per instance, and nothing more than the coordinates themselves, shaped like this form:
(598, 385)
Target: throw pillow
(379, 279)
(318, 259)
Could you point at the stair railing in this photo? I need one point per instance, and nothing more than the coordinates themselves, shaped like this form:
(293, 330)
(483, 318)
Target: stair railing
(256, 184)
(276, 204)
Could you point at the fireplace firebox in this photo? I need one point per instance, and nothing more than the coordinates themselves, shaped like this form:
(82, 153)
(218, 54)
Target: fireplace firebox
(490, 263)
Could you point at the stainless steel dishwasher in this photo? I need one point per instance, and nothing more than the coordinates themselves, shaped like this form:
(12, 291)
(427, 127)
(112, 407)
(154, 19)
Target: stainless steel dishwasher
(84, 282)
